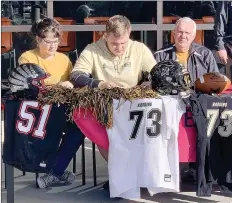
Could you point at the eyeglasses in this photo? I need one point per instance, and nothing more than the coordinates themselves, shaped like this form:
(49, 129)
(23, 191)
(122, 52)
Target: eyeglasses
(49, 43)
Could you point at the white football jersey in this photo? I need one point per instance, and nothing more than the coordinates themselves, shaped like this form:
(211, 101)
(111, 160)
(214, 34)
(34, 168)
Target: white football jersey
(143, 150)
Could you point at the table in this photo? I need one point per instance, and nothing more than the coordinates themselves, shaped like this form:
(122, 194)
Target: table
(186, 137)
(97, 133)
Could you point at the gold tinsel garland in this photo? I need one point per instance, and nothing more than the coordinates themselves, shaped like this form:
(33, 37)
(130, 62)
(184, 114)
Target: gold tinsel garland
(95, 99)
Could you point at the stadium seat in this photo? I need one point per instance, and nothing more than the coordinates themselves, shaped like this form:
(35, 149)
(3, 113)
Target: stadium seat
(7, 42)
(208, 19)
(8, 57)
(96, 21)
(169, 19)
(68, 41)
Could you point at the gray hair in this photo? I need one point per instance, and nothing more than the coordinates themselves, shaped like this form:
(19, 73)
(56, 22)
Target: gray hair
(187, 20)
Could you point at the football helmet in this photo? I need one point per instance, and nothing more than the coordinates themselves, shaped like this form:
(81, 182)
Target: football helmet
(167, 77)
(27, 80)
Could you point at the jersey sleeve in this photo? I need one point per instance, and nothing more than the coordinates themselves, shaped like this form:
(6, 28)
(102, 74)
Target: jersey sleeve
(172, 111)
(167, 116)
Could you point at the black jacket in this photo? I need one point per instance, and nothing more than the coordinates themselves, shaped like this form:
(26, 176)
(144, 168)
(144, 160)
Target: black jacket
(200, 60)
(223, 24)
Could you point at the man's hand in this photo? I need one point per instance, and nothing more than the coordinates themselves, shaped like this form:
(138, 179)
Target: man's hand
(105, 85)
(222, 54)
(66, 84)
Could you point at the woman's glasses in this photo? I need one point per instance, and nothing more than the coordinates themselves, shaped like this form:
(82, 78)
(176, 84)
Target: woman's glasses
(49, 43)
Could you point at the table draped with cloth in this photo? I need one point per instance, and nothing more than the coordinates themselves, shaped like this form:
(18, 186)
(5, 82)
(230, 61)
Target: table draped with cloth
(97, 133)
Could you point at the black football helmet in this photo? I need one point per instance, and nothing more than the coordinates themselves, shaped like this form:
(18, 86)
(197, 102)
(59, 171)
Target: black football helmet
(27, 80)
(167, 78)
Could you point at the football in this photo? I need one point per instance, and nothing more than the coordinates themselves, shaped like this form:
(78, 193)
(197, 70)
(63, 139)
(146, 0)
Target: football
(212, 83)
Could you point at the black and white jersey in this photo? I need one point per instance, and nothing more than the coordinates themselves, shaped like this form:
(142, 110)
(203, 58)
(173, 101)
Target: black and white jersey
(213, 119)
(143, 146)
(32, 134)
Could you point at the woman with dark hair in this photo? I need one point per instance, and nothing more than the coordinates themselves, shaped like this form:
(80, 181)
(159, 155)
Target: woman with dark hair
(47, 34)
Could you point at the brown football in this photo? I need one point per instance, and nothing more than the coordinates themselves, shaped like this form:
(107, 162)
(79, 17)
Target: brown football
(212, 83)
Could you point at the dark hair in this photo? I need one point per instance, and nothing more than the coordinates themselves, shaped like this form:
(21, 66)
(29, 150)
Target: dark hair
(41, 27)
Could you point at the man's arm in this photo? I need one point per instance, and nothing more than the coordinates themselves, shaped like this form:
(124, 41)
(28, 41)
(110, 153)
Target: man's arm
(220, 24)
(81, 73)
(211, 62)
(81, 79)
